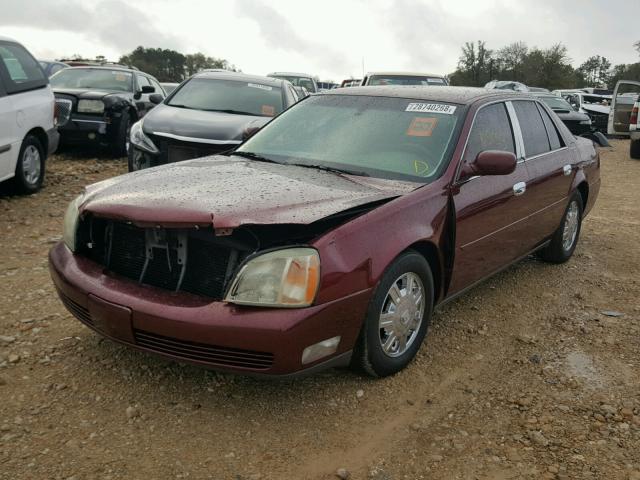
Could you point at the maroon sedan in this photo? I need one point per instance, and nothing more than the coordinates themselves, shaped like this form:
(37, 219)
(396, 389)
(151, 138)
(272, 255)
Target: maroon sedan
(329, 236)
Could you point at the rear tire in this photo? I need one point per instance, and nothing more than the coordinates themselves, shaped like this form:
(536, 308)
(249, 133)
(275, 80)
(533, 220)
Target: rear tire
(634, 149)
(29, 174)
(564, 240)
(397, 318)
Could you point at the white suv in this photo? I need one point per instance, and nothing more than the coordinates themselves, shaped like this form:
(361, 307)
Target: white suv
(28, 131)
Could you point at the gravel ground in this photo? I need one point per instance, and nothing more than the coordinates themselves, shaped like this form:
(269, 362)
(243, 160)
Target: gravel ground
(534, 374)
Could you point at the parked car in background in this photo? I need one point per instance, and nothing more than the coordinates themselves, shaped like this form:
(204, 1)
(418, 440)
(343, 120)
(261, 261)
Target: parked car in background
(297, 80)
(625, 96)
(595, 105)
(210, 113)
(350, 82)
(507, 85)
(27, 118)
(51, 67)
(634, 131)
(169, 86)
(329, 236)
(402, 78)
(98, 105)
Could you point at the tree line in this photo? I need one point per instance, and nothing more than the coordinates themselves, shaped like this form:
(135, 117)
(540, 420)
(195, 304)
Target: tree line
(548, 67)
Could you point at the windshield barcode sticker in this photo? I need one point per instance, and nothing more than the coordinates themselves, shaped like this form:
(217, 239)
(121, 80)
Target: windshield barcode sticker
(431, 108)
(257, 85)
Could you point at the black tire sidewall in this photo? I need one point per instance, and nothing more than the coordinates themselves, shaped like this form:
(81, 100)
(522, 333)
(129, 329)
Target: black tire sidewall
(376, 360)
(120, 147)
(634, 149)
(555, 251)
(19, 180)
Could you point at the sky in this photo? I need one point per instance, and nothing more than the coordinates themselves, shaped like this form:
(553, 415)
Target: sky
(333, 39)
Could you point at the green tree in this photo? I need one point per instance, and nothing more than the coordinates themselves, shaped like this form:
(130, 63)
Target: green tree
(595, 70)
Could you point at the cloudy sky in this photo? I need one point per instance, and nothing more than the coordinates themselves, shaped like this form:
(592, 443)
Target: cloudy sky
(329, 38)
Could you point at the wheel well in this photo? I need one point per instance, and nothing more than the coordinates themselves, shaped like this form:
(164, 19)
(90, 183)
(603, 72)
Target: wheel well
(41, 135)
(583, 188)
(430, 252)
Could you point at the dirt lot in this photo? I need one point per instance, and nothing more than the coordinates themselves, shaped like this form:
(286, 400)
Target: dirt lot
(525, 377)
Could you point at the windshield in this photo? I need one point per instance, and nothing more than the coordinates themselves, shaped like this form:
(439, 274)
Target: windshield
(233, 96)
(557, 103)
(391, 138)
(93, 78)
(405, 80)
(305, 82)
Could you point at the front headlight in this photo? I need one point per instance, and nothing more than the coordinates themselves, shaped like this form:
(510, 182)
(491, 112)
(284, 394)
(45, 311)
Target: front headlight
(140, 140)
(585, 122)
(90, 106)
(71, 223)
(286, 278)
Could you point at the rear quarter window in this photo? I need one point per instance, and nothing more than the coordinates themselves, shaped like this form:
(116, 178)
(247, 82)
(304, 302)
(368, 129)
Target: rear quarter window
(19, 70)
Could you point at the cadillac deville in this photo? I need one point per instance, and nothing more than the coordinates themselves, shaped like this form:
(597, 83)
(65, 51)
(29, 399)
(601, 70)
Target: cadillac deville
(328, 237)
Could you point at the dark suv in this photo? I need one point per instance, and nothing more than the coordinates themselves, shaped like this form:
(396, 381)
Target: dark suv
(98, 105)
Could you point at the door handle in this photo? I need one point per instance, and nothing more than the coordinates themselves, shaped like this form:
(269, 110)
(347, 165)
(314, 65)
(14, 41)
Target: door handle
(519, 188)
(567, 170)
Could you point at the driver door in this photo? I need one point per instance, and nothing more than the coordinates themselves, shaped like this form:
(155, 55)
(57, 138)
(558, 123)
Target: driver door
(624, 96)
(490, 210)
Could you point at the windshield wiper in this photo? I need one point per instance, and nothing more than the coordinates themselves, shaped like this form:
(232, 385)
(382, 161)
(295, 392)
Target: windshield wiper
(178, 105)
(253, 156)
(236, 112)
(331, 169)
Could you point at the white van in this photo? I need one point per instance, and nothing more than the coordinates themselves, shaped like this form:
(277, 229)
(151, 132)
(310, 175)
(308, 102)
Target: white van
(28, 131)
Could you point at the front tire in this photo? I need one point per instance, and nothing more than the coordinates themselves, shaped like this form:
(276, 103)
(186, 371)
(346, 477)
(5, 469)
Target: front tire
(564, 240)
(634, 149)
(121, 145)
(397, 318)
(29, 174)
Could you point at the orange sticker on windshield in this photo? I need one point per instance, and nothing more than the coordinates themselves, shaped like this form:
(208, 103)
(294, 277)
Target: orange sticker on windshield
(422, 126)
(268, 110)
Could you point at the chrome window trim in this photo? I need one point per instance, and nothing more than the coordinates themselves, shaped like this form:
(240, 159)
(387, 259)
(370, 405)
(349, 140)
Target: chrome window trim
(517, 132)
(524, 158)
(466, 142)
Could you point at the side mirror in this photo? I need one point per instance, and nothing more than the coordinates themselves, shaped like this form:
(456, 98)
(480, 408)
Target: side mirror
(250, 131)
(148, 89)
(155, 98)
(493, 162)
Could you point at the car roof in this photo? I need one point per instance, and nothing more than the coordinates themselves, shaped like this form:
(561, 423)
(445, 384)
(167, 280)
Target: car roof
(107, 67)
(8, 39)
(412, 74)
(460, 95)
(241, 77)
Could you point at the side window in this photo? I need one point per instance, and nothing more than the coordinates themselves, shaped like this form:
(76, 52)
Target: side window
(142, 81)
(56, 68)
(554, 137)
(533, 130)
(19, 70)
(157, 86)
(491, 131)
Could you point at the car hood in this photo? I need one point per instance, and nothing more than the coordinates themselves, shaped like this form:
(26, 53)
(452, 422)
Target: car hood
(198, 124)
(231, 191)
(81, 93)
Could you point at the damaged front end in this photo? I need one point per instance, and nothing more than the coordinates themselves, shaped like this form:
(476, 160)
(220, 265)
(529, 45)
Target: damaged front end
(197, 260)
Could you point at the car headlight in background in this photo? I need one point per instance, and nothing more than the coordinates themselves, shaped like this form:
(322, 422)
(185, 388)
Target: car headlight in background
(90, 106)
(286, 278)
(71, 223)
(585, 122)
(140, 140)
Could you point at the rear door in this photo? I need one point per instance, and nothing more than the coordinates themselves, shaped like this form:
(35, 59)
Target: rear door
(549, 165)
(490, 210)
(624, 96)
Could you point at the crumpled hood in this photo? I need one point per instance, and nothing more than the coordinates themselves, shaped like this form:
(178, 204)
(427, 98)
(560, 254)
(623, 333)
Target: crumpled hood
(230, 191)
(591, 107)
(86, 94)
(196, 124)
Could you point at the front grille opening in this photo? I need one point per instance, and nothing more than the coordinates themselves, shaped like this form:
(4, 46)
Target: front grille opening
(212, 354)
(77, 310)
(188, 260)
